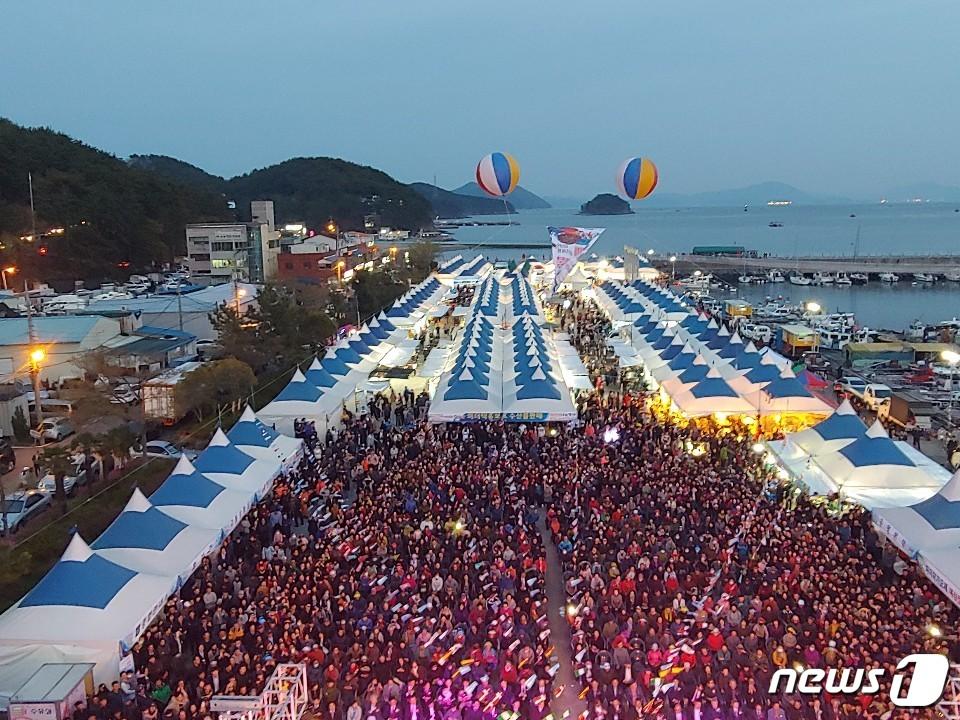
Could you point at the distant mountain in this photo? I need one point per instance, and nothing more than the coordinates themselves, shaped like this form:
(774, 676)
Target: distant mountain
(178, 171)
(606, 204)
(929, 191)
(758, 194)
(520, 198)
(448, 204)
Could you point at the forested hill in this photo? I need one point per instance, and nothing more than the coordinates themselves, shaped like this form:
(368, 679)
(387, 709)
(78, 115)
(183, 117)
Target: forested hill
(317, 189)
(111, 212)
(313, 190)
(179, 171)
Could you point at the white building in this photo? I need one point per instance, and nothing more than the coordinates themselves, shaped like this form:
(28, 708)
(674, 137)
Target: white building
(221, 252)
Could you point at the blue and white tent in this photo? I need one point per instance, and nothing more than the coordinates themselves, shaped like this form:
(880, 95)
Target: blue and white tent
(829, 435)
(258, 440)
(229, 466)
(145, 539)
(194, 499)
(943, 568)
(301, 399)
(83, 610)
(930, 525)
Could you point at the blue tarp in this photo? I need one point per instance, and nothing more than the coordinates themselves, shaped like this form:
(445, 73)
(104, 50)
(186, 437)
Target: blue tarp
(92, 583)
(192, 490)
(148, 530)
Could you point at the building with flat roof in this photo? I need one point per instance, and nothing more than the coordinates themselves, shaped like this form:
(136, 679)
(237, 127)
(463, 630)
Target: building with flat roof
(221, 252)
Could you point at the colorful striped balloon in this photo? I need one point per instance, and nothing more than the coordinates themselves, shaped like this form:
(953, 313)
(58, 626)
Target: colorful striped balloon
(637, 178)
(498, 174)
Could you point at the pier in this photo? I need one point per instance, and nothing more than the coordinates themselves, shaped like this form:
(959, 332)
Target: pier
(905, 264)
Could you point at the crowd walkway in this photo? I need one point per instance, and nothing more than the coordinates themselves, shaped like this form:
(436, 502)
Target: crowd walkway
(567, 703)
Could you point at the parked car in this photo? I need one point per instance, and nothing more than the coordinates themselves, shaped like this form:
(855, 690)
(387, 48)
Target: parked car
(76, 476)
(54, 428)
(21, 506)
(876, 394)
(124, 395)
(8, 458)
(164, 449)
(851, 386)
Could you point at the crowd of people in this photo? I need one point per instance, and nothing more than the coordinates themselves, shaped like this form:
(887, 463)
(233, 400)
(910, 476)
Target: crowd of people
(424, 598)
(405, 564)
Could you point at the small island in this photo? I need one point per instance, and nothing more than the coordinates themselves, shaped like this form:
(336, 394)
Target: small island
(606, 204)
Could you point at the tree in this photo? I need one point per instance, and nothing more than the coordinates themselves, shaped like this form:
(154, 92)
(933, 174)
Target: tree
(87, 443)
(21, 428)
(215, 385)
(58, 461)
(285, 327)
(422, 260)
(117, 443)
(374, 291)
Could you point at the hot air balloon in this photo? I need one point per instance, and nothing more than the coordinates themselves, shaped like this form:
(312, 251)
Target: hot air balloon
(637, 178)
(498, 174)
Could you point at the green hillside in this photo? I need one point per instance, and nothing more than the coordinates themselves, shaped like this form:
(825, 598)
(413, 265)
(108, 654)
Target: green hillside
(110, 212)
(317, 189)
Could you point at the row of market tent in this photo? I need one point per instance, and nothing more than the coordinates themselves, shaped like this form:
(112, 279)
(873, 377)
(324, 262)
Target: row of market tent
(701, 368)
(915, 503)
(504, 365)
(100, 597)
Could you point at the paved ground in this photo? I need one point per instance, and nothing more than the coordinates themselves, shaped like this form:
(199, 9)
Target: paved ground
(568, 703)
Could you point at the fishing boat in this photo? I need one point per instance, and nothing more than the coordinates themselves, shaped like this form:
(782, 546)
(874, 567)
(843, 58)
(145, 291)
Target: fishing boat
(952, 277)
(859, 278)
(822, 279)
(842, 279)
(775, 276)
(775, 224)
(799, 280)
(923, 277)
(889, 277)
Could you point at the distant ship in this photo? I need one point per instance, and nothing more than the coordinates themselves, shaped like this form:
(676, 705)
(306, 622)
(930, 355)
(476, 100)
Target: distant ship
(775, 224)
(779, 203)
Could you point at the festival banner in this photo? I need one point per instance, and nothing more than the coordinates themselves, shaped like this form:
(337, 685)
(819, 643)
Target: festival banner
(569, 243)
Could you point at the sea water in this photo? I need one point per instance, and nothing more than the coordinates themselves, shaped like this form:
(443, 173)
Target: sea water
(883, 229)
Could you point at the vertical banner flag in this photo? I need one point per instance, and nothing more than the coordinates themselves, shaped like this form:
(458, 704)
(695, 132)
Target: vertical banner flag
(569, 243)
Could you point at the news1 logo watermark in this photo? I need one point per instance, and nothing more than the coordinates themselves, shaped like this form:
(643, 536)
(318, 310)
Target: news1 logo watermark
(927, 675)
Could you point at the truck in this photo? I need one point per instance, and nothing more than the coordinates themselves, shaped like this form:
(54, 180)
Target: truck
(159, 394)
(876, 395)
(907, 409)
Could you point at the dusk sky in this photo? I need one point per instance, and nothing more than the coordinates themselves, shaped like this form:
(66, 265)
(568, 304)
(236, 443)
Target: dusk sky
(844, 97)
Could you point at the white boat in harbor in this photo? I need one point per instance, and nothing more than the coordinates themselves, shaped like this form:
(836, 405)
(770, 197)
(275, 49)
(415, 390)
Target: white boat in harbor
(859, 278)
(842, 279)
(923, 277)
(799, 280)
(952, 277)
(775, 276)
(889, 277)
(822, 279)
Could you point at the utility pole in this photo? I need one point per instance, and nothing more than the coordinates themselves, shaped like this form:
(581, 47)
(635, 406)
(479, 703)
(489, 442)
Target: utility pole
(33, 214)
(179, 306)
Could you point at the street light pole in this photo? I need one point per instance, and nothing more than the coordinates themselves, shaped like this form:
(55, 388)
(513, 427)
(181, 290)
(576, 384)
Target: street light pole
(36, 357)
(673, 267)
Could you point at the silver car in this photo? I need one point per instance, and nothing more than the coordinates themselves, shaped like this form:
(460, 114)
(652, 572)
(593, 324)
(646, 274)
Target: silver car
(21, 506)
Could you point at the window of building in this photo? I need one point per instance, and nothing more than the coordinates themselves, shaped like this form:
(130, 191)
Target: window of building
(200, 257)
(223, 247)
(221, 263)
(201, 240)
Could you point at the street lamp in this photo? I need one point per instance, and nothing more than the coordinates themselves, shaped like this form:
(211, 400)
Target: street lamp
(650, 252)
(393, 254)
(37, 356)
(340, 266)
(951, 357)
(7, 271)
(239, 294)
(673, 267)
(813, 308)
